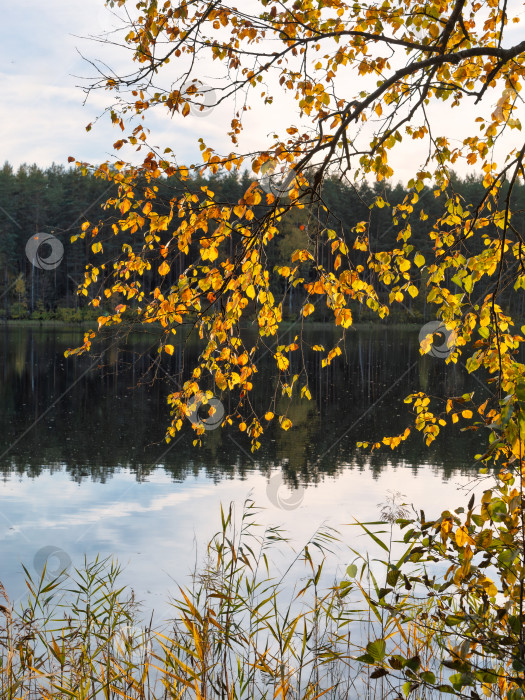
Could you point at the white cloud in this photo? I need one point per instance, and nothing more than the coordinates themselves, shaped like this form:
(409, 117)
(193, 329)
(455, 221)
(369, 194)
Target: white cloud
(43, 115)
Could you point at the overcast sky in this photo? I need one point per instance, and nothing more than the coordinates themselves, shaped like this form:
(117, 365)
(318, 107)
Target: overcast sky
(44, 50)
(43, 115)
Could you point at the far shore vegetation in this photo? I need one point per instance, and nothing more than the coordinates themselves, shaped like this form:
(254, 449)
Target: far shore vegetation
(57, 201)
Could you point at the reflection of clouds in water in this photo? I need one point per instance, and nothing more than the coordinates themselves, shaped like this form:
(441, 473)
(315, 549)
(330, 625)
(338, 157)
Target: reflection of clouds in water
(11, 532)
(53, 501)
(163, 531)
(119, 509)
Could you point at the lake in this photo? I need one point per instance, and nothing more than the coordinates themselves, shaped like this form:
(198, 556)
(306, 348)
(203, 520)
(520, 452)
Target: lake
(85, 470)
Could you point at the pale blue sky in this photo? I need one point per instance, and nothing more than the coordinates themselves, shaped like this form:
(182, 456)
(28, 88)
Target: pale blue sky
(42, 111)
(43, 115)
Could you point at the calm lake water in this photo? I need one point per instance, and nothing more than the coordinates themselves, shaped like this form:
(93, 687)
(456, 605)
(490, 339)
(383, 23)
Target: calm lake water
(85, 470)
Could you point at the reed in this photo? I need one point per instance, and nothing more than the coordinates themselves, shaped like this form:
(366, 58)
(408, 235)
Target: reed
(239, 629)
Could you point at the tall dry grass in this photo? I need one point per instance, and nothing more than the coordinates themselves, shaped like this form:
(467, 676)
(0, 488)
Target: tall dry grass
(238, 631)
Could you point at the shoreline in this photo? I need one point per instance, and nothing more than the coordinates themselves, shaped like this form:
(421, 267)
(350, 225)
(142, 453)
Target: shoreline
(285, 325)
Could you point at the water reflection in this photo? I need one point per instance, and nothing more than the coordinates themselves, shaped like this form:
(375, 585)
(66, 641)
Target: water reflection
(85, 469)
(158, 528)
(58, 414)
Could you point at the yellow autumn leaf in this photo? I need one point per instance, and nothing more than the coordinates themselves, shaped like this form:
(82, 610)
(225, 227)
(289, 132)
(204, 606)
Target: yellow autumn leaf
(220, 380)
(308, 309)
(343, 317)
(220, 241)
(489, 586)
(169, 349)
(461, 536)
(282, 361)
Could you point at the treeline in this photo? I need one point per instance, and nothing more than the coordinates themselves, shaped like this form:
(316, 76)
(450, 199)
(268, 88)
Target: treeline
(58, 201)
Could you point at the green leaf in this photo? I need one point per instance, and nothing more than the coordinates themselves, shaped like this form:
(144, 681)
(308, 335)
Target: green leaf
(351, 570)
(497, 509)
(374, 537)
(446, 689)
(506, 557)
(518, 665)
(457, 680)
(414, 663)
(514, 623)
(406, 688)
(377, 649)
(396, 662)
(428, 677)
(392, 576)
(366, 659)
(520, 391)
(452, 620)
(486, 676)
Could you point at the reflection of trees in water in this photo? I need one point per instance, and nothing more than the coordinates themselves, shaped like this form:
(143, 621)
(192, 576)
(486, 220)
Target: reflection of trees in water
(115, 417)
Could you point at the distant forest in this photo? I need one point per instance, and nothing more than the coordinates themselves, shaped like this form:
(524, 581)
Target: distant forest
(58, 200)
